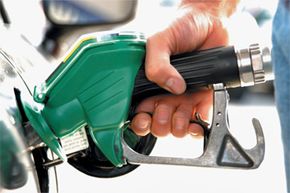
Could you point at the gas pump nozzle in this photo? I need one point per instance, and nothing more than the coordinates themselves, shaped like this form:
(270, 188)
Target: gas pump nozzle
(102, 78)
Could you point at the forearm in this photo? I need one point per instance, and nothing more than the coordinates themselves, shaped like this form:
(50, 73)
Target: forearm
(219, 8)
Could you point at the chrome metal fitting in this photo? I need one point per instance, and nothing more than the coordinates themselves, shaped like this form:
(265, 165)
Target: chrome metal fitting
(255, 65)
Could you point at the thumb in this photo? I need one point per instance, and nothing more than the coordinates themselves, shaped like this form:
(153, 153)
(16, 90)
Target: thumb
(157, 65)
(188, 32)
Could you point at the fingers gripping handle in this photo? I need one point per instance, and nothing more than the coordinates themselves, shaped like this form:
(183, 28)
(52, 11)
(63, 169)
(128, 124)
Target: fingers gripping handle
(221, 150)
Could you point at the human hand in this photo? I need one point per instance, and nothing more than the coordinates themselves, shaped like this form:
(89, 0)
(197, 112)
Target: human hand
(199, 26)
(164, 114)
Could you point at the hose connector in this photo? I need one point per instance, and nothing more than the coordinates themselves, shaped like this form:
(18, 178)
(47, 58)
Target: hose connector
(255, 65)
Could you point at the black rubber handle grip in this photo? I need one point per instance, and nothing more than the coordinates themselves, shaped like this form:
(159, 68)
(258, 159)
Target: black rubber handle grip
(198, 68)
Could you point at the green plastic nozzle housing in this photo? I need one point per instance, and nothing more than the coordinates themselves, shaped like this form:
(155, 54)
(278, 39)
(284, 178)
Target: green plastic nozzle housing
(92, 87)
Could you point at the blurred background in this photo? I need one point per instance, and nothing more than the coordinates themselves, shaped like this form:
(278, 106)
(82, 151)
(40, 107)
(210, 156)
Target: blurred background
(51, 27)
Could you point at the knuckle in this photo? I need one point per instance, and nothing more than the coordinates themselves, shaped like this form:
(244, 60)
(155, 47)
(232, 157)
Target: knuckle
(183, 113)
(180, 115)
(180, 127)
(153, 72)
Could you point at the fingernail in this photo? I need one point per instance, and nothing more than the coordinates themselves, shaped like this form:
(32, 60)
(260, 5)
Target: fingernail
(143, 124)
(175, 85)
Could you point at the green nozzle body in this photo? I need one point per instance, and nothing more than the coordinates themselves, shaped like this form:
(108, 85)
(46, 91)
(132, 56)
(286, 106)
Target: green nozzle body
(92, 87)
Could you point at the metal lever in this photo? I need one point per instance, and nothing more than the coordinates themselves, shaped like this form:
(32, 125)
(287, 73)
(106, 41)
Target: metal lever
(221, 149)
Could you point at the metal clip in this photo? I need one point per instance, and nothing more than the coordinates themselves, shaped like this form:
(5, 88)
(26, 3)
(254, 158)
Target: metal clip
(221, 149)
